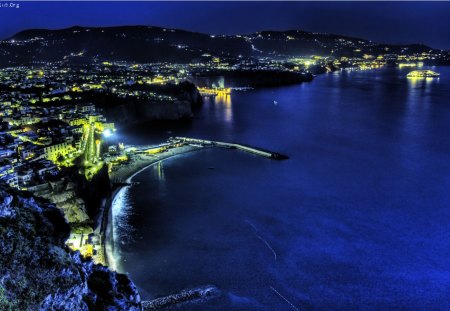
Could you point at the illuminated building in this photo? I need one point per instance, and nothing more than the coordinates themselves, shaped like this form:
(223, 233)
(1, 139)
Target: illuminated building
(54, 151)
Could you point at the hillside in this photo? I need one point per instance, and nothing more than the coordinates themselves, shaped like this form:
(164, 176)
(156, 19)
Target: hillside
(155, 44)
(37, 272)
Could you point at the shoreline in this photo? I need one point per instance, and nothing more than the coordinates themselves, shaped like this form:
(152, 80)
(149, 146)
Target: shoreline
(124, 174)
(127, 173)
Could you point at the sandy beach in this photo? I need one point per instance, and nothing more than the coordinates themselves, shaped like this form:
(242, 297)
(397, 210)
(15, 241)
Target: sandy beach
(124, 174)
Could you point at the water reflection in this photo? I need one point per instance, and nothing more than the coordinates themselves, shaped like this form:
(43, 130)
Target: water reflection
(421, 85)
(224, 100)
(420, 91)
(158, 172)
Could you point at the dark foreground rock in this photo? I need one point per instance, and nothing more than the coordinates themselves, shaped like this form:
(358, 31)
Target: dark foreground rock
(37, 272)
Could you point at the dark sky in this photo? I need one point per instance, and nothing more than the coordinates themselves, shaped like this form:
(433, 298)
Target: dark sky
(390, 22)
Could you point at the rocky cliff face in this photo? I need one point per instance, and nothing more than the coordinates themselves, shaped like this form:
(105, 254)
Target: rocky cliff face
(135, 112)
(257, 78)
(37, 272)
(93, 191)
(185, 97)
(63, 194)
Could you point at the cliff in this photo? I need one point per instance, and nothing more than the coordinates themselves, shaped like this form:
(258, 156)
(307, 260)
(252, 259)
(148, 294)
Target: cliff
(93, 191)
(171, 102)
(63, 194)
(258, 78)
(37, 272)
(138, 111)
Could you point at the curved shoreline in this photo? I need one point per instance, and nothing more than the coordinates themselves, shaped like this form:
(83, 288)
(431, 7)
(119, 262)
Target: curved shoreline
(129, 173)
(124, 174)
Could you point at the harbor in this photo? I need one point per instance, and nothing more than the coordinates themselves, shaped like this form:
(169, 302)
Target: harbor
(242, 147)
(139, 159)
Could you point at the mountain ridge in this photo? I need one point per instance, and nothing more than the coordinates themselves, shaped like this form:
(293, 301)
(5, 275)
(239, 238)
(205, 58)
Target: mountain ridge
(290, 30)
(157, 44)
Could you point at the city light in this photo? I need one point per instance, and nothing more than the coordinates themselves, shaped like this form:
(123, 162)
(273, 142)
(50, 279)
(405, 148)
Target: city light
(107, 133)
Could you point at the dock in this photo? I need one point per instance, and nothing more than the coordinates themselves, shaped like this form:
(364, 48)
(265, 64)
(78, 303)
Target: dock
(242, 147)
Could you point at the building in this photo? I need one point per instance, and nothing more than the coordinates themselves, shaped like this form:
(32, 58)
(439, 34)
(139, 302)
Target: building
(53, 152)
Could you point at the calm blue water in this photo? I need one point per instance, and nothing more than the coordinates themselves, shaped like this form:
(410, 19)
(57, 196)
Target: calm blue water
(357, 219)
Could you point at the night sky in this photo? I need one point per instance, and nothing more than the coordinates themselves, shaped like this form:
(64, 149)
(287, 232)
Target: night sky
(389, 22)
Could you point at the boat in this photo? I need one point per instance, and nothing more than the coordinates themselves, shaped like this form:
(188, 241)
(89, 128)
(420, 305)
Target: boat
(422, 74)
(275, 102)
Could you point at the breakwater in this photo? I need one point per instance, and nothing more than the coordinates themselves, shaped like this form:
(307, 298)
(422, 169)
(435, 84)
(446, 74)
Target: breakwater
(184, 296)
(146, 156)
(242, 147)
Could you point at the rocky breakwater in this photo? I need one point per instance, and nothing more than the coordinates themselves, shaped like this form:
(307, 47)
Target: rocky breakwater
(183, 297)
(37, 271)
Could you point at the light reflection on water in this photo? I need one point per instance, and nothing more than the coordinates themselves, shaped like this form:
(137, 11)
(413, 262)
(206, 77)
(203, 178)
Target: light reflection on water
(421, 85)
(358, 216)
(221, 107)
(124, 232)
(225, 100)
(158, 170)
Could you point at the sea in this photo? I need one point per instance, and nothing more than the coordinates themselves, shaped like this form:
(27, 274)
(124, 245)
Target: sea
(358, 217)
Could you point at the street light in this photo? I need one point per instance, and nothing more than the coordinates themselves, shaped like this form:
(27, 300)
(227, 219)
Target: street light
(107, 133)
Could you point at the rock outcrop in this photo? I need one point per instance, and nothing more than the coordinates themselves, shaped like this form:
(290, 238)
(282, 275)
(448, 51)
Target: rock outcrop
(170, 102)
(138, 111)
(63, 194)
(37, 272)
(93, 191)
(185, 96)
(256, 78)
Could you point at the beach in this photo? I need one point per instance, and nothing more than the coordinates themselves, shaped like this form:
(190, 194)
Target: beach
(124, 174)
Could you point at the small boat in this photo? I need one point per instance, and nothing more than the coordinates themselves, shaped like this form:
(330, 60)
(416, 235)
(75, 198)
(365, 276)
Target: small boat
(275, 102)
(211, 167)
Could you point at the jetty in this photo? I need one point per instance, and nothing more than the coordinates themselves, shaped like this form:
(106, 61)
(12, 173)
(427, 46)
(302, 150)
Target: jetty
(242, 147)
(185, 296)
(143, 157)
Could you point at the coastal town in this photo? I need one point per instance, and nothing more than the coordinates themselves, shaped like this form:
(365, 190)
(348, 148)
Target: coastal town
(57, 125)
(230, 155)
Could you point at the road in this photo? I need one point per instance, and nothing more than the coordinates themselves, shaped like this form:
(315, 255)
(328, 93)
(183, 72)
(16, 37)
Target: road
(90, 151)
